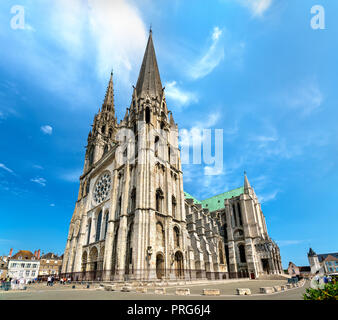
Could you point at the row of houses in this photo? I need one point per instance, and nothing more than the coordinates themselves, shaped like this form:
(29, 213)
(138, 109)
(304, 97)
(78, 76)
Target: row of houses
(29, 266)
(323, 263)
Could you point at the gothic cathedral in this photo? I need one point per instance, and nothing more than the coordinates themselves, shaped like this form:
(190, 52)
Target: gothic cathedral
(132, 219)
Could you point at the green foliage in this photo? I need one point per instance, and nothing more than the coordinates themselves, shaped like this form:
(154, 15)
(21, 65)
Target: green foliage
(330, 292)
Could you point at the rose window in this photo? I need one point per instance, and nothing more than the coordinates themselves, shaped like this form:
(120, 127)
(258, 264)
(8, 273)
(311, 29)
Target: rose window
(102, 188)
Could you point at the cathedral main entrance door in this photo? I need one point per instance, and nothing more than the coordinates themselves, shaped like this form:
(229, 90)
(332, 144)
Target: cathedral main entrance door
(179, 264)
(265, 264)
(159, 266)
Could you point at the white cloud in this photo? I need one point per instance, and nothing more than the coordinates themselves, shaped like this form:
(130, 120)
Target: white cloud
(36, 166)
(120, 35)
(181, 97)
(40, 181)
(263, 198)
(283, 243)
(211, 59)
(2, 166)
(195, 133)
(72, 176)
(305, 97)
(47, 129)
(52, 205)
(257, 7)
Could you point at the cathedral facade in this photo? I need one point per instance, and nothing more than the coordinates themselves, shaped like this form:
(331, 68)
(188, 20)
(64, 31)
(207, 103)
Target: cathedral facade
(133, 220)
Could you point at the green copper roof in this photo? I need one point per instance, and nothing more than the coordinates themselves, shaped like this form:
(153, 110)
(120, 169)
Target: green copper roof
(189, 196)
(217, 202)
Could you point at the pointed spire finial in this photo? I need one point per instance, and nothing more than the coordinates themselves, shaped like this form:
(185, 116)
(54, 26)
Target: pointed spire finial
(150, 29)
(246, 182)
(149, 80)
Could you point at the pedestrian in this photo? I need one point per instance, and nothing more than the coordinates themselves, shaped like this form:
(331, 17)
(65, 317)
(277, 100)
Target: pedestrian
(49, 279)
(325, 280)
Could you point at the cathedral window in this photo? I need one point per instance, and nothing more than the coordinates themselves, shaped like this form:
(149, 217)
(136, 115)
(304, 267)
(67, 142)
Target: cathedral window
(169, 153)
(147, 115)
(159, 200)
(160, 236)
(157, 139)
(106, 219)
(89, 228)
(176, 237)
(110, 134)
(133, 200)
(118, 209)
(87, 186)
(239, 214)
(221, 257)
(98, 227)
(242, 256)
(234, 214)
(103, 129)
(162, 125)
(105, 149)
(91, 156)
(173, 206)
(129, 250)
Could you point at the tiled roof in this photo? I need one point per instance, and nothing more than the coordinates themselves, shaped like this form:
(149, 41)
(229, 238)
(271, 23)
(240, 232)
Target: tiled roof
(322, 257)
(216, 202)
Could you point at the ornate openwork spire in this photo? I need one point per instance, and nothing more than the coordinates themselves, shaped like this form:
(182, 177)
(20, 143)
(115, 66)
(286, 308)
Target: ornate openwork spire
(108, 104)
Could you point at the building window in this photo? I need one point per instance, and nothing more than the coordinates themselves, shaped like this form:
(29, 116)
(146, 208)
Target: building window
(106, 224)
(28, 265)
(173, 206)
(133, 200)
(160, 235)
(239, 214)
(159, 200)
(91, 156)
(147, 115)
(33, 273)
(105, 149)
(89, 227)
(242, 253)
(98, 226)
(176, 237)
(118, 209)
(156, 145)
(34, 265)
(27, 273)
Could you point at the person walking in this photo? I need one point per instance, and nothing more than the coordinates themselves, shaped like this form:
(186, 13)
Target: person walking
(49, 279)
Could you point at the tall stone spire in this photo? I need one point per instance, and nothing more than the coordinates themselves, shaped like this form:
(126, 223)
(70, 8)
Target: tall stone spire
(247, 185)
(108, 104)
(149, 81)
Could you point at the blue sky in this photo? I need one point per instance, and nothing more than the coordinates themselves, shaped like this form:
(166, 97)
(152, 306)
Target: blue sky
(254, 68)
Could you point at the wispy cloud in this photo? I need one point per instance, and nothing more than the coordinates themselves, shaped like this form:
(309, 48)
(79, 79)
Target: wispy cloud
(305, 97)
(2, 166)
(36, 166)
(47, 129)
(284, 243)
(266, 197)
(71, 176)
(256, 7)
(211, 58)
(52, 205)
(178, 95)
(40, 181)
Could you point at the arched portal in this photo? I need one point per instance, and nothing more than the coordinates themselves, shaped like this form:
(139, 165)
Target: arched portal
(93, 260)
(159, 266)
(179, 268)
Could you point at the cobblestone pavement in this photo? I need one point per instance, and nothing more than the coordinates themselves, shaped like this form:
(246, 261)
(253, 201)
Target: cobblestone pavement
(228, 292)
